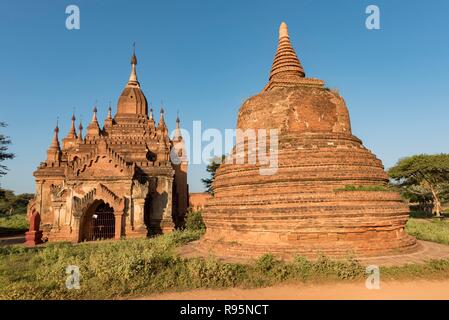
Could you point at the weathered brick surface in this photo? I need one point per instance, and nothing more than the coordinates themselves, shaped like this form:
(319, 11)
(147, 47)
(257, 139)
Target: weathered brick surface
(300, 210)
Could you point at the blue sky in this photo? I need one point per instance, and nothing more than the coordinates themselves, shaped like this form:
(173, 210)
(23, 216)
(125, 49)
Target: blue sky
(204, 58)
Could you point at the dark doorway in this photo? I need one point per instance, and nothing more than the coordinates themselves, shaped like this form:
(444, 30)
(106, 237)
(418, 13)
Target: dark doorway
(101, 223)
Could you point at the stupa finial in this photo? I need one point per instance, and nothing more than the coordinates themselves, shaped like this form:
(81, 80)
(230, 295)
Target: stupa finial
(133, 76)
(283, 30)
(286, 66)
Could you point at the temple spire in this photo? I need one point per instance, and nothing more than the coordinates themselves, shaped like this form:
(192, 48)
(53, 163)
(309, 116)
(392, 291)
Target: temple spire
(286, 66)
(161, 118)
(72, 132)
(55, 141)
(161, 126)
(109, 111)
(93, 129)
(94, 116)
(54, 152)
(133, 76)
(108, 121)
(177, 135)
(80, 133)
(179, 145)
(132, 100)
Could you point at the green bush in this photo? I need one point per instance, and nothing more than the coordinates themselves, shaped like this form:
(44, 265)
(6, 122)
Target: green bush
(364, 188)
(194, 221)
(212, 273)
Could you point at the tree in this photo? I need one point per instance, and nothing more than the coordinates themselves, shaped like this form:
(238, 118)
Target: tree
(212, 168)
(4, 154)
(14, 204)
(423, 177)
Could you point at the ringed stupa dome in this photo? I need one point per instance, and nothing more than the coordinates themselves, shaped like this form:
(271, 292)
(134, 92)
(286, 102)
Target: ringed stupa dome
(329, 194)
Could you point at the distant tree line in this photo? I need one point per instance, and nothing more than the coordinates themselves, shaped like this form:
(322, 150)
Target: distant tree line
(11, 204)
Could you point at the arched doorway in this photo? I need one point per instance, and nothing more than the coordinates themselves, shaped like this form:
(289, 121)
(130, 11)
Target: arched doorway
(99, 222)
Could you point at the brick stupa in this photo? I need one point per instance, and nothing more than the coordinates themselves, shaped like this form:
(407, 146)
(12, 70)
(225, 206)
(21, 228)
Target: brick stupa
(304, 208)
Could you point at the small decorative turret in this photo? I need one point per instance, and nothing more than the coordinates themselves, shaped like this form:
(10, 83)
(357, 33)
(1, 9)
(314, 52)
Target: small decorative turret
(178, 153)
(93, 129)
(161, 125)
(70, 139)
(108, 120)
(72, 132)
(94, 116)
(55, 141)
(151, 122)
(177, 136)
(54, 152)
(80, 133)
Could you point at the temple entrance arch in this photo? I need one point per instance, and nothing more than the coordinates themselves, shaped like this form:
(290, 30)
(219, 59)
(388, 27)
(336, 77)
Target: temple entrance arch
(98, 222)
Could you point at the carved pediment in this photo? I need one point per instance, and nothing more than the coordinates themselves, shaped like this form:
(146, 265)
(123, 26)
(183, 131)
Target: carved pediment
(102, 162)
(100, 192)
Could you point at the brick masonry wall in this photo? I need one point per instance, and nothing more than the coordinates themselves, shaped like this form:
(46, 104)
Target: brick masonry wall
(301, 209)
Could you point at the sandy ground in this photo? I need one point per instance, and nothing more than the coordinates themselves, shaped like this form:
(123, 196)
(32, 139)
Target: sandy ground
(419, 289)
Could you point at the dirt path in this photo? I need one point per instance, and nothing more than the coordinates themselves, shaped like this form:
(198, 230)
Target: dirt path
(9, 240)
(419, 289)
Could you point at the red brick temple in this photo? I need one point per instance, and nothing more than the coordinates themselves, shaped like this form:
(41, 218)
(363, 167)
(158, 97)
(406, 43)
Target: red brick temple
(127, 178)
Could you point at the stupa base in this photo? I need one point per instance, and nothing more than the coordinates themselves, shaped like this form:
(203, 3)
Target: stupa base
(338, 249)
(420, 252)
